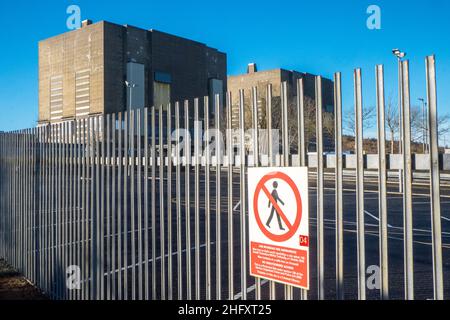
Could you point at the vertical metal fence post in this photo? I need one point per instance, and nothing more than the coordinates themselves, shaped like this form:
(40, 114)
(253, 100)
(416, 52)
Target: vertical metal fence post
(95, 211)
(382, 183)
(320, 193)
(90, 210)
(169, 203)
(35, 190)
(37, 204)
(59, 210)
(178, 164)
(218, 140)
(187, 197)
(25, 211)
(407, 181)
(207, 199)
(360, 185)
(230, 158)
(84, 219)
(114, 209)
(435, 194)
(161, 204)
(119, 204)
(107, 164)
(272, 285)
(78, 213)
(40, 208)
(255, 162)
(132, 166)
(67, 209)
(146, 206)
(126, 168)
(138, 160)
(288, 290)
(101, 198)
(197, 133)
(338, 188)
(48, 207)
(154, 164)
(53, 195)
(72, 196)
(243, 212)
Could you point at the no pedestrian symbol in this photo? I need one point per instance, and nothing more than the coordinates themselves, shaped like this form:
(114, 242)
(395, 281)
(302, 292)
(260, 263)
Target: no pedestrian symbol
(288, 221)
(278, 224)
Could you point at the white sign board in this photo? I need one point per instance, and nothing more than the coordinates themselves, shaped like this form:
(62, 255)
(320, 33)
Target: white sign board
(279, 225)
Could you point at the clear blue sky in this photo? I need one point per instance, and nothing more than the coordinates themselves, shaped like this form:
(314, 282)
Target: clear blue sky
(319, 37)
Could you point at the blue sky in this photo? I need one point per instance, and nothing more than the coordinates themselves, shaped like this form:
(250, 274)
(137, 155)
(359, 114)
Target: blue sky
(319, 37)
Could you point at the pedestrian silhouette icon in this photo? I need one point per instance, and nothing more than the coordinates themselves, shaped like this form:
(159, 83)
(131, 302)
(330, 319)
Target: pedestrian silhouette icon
(279, 245)
(277, 199)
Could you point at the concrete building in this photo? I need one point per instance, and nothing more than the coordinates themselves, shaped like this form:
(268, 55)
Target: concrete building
(260, 79)
(106, 68)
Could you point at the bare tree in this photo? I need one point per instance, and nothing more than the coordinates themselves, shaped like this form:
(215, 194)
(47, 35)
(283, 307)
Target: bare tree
(392, 121)
(419, 125)
(310, 122)
(368, 117)
(292, 121)
(309, 114)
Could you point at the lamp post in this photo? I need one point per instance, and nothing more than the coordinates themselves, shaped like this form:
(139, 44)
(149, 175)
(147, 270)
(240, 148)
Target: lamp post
(400, 55)
(130, 85)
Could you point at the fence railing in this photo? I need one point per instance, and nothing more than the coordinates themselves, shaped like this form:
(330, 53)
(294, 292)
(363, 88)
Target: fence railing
(130, 206)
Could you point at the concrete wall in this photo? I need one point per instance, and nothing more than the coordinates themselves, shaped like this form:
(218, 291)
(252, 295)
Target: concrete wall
(394, 161)
(66, 54)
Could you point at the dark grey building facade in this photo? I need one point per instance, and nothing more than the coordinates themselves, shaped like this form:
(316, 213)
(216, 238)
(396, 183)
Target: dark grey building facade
(105, 68)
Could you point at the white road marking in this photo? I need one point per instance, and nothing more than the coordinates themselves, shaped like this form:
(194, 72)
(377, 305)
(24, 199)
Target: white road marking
(249, 289)
(447, 234)
(151, 260)
(376, 191)
(375, 217)
(444, 245)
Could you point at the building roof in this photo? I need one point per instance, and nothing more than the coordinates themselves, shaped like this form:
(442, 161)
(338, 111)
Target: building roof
(125, 26)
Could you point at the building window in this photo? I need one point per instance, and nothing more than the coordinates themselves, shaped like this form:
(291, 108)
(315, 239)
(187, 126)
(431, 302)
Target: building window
(161, 94)
(56, 98)
(161, 89)
(82, 93)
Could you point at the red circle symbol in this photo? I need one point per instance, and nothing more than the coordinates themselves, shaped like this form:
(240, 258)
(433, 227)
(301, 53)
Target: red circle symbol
(292, 228)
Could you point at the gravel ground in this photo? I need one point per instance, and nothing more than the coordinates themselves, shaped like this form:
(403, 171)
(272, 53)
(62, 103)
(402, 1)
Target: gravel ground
(15, 287)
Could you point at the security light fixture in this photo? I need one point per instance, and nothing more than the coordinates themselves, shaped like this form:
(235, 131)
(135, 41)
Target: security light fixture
(398, 53)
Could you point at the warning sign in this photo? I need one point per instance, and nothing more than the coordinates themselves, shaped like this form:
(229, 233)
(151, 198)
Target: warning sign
(278, 224)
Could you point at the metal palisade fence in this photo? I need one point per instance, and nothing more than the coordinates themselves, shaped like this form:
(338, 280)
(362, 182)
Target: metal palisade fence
(151, 203)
